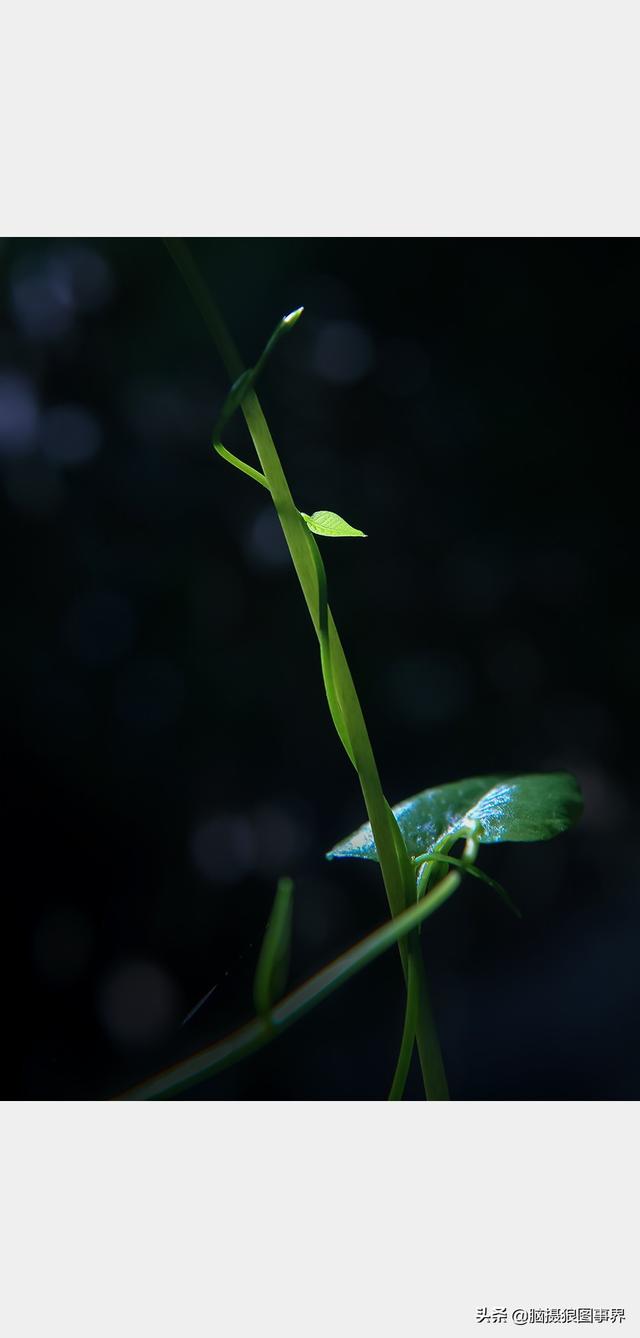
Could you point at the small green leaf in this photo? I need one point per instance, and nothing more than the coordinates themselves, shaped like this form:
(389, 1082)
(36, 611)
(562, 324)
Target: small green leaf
(499, 808)
(331, 526)
(273, 963)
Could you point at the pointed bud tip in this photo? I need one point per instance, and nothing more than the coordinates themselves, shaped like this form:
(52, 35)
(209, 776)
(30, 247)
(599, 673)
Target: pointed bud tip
(292, 317)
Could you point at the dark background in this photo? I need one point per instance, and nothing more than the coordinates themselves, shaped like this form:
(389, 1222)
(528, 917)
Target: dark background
(166, 745)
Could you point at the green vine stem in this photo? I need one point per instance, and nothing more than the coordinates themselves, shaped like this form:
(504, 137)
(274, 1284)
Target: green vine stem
(397, 871)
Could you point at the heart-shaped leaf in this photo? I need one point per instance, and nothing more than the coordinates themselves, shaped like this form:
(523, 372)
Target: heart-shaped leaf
(495, 808)
(331, 526)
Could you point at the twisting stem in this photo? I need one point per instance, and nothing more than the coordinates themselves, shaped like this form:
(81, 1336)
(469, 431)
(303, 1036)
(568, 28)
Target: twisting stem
(408, 1037)
(397, 872)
